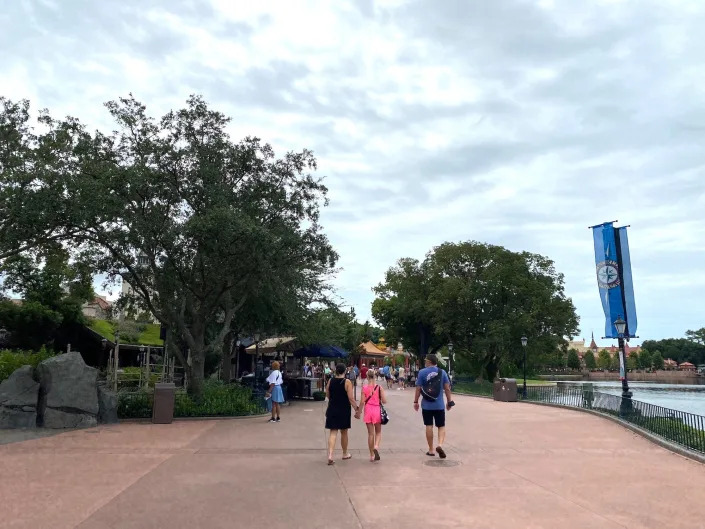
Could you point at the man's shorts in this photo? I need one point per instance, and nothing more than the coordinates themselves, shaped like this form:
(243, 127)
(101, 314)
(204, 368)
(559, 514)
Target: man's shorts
(439, 416)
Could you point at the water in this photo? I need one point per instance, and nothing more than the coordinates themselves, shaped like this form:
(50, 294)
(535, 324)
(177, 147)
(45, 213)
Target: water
(682, 397)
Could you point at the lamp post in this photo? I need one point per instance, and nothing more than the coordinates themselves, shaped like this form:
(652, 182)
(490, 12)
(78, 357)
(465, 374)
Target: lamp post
(450, 362)
(626, 405)
(524, 342)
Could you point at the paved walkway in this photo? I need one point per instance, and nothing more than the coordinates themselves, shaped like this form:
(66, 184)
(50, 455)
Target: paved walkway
(520, 466)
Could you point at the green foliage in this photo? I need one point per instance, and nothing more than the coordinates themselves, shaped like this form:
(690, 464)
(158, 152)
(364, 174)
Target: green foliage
(645, 359)
(319, 395)
(12, 360)
(481, 297)
(218, 400)
(590, 361)
(657, 360)
(31, 324)
(604, 360)
(199, 225)
(633, 360)
(696, 336)
(130, 332)
(679, 349)
(135, 405)
(332, 326)
(481, 387)
(614, 362)
(573, 359)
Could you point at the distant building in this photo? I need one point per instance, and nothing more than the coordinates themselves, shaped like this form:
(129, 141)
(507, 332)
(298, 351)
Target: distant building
(669, 363)
(687, 366)
(99, 308)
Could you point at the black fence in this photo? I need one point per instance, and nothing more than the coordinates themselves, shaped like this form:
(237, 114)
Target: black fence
(685, 429)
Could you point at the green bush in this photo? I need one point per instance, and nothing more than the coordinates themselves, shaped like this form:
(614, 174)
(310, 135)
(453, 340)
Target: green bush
(135, 405)
(473, 388)
(319, 395)
(12, 360)
(219, 400)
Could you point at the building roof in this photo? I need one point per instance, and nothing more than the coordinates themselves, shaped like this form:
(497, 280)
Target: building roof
(370, 349)
(272, 345)
(687, 364)
(593, 344)
(670, 362)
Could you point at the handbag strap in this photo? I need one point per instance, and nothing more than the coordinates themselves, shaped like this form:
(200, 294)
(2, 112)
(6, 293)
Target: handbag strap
(372, 394)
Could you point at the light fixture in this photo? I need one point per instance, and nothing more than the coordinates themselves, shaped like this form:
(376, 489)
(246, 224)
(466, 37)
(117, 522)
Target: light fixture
(524, 341)
(621, 326)
(256, 337)
(450, 347)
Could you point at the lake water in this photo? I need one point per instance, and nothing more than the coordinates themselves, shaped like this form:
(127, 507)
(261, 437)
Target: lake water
(682, 397)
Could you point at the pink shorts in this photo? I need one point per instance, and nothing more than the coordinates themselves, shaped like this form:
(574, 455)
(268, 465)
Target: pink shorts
(373, 414)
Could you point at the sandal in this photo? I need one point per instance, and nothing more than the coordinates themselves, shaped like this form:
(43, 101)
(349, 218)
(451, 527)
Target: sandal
(331, 462)
(429, 454)
(441, 452)
(345, 458)
(377, 458)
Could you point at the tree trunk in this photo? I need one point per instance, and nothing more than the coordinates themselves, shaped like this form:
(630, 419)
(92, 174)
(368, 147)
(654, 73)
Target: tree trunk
(196, 374)
(491, 368)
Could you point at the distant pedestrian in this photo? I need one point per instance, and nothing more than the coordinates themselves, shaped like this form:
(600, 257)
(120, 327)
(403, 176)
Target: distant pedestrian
(431, 384)
(363, 373)
(275, 392)
(371, 399)
(402, 378)
(341, 401)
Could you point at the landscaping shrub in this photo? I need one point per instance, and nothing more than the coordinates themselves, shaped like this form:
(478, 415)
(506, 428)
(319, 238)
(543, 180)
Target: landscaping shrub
(12, 360)
(219, 400)
(319, 395)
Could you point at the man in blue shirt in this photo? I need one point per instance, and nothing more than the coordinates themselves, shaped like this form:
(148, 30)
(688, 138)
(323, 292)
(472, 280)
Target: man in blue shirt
(433, 409)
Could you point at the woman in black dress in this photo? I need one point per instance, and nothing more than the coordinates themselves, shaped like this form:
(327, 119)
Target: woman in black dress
(341, 402)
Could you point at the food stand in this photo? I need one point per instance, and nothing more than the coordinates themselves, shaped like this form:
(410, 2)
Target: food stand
(304, 387)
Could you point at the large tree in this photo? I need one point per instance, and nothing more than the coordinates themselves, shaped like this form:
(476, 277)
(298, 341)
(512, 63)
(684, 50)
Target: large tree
(481, 297)
(204, 229)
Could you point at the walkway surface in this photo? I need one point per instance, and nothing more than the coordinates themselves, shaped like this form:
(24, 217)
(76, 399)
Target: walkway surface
(520, 466)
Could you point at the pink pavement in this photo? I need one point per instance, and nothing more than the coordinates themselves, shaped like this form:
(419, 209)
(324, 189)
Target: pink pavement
(520, 466)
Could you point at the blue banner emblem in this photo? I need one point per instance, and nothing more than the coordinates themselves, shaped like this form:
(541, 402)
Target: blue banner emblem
(614, 278)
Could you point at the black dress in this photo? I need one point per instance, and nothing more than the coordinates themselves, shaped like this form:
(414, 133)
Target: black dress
(339, 409)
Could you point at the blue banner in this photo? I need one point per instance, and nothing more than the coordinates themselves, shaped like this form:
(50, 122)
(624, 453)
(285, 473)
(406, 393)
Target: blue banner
(614, 278)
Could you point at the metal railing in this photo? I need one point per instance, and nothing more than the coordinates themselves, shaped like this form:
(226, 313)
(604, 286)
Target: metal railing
(679, 427)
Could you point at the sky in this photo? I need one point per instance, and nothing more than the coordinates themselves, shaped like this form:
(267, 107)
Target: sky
(516, 123)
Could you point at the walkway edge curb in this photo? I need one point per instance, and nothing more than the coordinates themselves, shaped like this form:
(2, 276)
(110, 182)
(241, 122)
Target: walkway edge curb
(663, 443)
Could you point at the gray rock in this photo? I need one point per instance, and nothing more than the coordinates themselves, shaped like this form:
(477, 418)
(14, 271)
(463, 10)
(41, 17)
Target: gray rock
(19, 394)
(68, 384)
(20, 389)
(61, 419)
(107, 404)
(17, 418)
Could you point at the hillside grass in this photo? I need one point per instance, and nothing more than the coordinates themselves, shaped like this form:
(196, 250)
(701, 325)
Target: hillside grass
(149, 336)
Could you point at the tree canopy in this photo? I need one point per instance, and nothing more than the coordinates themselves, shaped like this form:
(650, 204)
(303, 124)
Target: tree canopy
(679, 349)
(481, 297)
(202, 228)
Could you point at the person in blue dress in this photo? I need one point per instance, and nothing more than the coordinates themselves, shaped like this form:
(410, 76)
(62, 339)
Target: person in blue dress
(275, 392)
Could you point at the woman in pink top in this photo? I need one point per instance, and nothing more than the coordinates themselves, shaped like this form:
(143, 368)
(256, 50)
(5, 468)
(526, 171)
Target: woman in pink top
(370, 398)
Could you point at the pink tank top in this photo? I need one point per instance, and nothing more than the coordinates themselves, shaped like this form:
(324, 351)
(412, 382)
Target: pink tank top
(374, 390)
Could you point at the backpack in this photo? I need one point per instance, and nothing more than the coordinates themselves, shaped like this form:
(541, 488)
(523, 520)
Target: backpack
(432, 386)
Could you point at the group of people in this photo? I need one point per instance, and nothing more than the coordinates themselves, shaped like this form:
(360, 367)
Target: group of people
(390, 374)
(432, 385)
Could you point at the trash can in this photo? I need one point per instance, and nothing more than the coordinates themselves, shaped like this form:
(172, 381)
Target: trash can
(163, 408)
(505, 390)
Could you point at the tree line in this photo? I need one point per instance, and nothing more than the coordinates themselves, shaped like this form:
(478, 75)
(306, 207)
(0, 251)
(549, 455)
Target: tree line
(216, 237)
(483, 298)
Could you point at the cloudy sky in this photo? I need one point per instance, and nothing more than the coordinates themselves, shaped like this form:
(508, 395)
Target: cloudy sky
(517, 123)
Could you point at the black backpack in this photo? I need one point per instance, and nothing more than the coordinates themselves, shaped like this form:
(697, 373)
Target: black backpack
(432, 386)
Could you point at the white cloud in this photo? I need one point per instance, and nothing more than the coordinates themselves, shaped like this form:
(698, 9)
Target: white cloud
(515, 123)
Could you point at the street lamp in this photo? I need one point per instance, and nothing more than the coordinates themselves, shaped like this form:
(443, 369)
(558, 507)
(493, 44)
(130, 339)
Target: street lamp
(450, 362)
(524, 342)
(626, 405)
